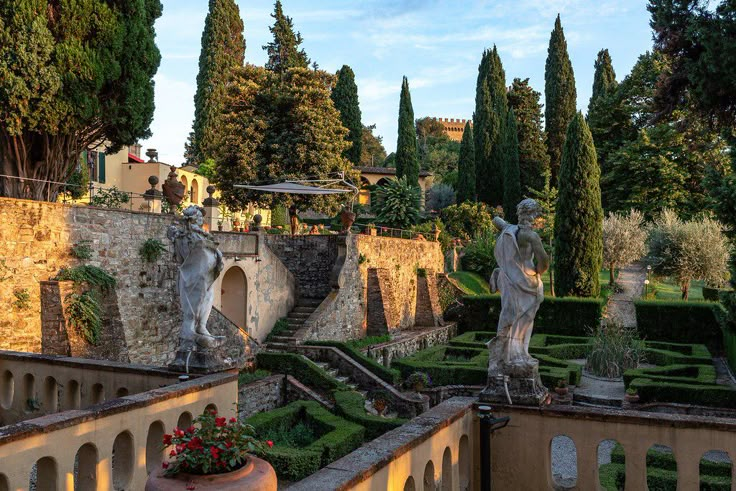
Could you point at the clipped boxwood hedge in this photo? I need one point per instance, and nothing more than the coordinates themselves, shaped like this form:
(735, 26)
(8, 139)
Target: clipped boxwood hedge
(681, 322)
(660, 353)
(307, 372)
(473, 339)
(351, 406)
(729, 344)
(339, 437)
(685, 393)
(565, 315)
(689, 374)
(388, 375)
(454, 374)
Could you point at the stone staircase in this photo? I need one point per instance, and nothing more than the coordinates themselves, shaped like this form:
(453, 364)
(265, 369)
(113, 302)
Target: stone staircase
(296, 319)
(352, 385)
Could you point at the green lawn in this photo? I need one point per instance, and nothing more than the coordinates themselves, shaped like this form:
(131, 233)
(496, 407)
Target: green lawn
(668, 289)
(474, 284)
(603, 278)
(470, 283)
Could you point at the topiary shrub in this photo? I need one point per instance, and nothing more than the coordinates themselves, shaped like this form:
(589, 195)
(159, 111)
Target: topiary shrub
(682, 322)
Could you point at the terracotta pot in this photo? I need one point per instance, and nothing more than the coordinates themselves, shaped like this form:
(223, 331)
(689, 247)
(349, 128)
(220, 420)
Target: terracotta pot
(631, 398)
(255, 475)
(562, 391)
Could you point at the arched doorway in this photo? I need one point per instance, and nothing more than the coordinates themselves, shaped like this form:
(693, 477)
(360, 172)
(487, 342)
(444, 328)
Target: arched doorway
(195, 192)
(234, 299)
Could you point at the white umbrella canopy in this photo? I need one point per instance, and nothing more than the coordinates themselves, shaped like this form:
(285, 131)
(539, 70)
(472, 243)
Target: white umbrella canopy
(290, 187)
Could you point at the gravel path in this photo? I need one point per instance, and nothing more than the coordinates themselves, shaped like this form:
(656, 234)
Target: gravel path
(621, 305)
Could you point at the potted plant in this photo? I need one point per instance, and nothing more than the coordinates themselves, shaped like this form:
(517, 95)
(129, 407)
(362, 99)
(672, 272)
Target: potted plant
(561, 388)
(631, 395)
(236, 224)
(370, 229)
(213, 454)
(380, 402)
(219, 225)
(418, 381)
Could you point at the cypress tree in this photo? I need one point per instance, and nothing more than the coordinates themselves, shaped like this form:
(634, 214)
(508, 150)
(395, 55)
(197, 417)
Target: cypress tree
(601, 108)
(283, 51)
(223, 50)
(345, 98)
(560, 96)
(407, 159)
(579, 216)
(491, 108)
(533, 157)
(511, 178)
(466, 167)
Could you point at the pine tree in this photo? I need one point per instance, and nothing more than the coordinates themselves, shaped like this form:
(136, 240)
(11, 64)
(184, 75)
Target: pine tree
(511, 178)
(345, 98)
(579, 216)
(407, 158)
(466, 167)
(283, 51)
(600, 108)
(533, 157)
(560, 97)
(491, 107)
(223, 50)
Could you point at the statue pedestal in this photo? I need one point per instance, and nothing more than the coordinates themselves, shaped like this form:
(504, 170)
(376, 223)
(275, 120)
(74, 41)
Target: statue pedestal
(201, 361)
(515, 384)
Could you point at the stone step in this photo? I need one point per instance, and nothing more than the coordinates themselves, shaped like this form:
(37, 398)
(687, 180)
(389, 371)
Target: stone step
(309, 302)
(297, 316)
(322, 365)
(304, 309)
(283, 339)
(342, 379)
(352, 386)
(333, 372)
(363, 393)
(295, 322)
(272, 346)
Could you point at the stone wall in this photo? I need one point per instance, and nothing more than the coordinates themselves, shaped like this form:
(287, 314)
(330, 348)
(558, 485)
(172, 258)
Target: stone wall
(35, 243)
(344, 312)
(310, 258)
(409, 342)
(262, 395)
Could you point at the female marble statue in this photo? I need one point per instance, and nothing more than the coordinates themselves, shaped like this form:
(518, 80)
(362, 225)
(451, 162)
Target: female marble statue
(200, 263)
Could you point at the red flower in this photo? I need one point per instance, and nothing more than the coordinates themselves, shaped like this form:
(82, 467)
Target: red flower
(190, 485)
(213, 411)
(215, 452)
(165, 465)
(194, 443)
(172, 453)
(167, 440)
(180, 448)
(178, 432)
(219, 422)
(190, 429)
(229, 444)
(233, 420)
(270, 443)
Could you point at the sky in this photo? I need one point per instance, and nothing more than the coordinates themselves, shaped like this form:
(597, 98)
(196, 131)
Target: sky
(437, 44)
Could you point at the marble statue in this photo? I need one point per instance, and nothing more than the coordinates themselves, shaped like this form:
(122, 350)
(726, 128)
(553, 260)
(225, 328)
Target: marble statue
(200, 264)
(513, 375)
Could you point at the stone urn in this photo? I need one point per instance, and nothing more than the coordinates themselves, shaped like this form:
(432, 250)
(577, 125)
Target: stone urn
(347, 218)
(255, 475)
(173, 190)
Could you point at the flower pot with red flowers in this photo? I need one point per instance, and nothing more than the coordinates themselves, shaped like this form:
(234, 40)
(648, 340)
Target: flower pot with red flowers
(631, 396)
(213, 454)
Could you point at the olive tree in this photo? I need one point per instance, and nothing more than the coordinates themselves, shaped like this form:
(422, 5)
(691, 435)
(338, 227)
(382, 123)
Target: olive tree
(689, 250)
(624, 240)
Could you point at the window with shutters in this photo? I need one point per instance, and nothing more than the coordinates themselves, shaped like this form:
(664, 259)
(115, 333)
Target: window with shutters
(92, 165)
(101, 166)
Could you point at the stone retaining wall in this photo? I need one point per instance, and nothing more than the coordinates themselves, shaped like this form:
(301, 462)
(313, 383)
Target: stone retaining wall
(411, 341)
(35, 243)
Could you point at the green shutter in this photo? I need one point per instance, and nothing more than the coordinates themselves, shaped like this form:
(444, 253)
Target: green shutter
(101, 172)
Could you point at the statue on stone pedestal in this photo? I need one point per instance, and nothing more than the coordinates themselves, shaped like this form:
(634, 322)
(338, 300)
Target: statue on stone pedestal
(200, 263)
(513, 375)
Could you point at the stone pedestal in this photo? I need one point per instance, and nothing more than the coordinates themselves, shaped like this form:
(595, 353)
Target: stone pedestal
(201, 361)
(515, 384)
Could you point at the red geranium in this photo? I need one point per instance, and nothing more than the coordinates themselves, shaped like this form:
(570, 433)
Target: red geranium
(212, 445)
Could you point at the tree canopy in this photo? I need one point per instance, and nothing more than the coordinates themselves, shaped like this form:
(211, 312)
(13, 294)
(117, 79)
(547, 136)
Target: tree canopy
(283, 51)
(223, 50)
(71, 74)
(373, 152)
(345, 98)
(560, 96)
(407, 160)
(533, 156)
(281, 126)
(579, 216)
(466, 167)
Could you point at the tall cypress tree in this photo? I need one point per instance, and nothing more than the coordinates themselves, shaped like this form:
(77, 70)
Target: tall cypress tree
(533, 157)
(223, 50)
(560, 96)
(283, 51)
(345, 98)
(511, 178)
(466, 167)
(579, 216)
(600, 107)
(407, 158)
(491, 108)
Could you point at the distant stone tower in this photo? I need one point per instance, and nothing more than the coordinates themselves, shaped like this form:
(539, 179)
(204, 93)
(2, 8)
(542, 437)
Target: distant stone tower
(454, 128)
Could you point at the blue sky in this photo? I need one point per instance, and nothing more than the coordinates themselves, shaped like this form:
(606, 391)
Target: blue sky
(437, 44)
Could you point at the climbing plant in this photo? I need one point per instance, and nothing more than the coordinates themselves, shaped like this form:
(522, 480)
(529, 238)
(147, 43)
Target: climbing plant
(83, 308)
(151, 250)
